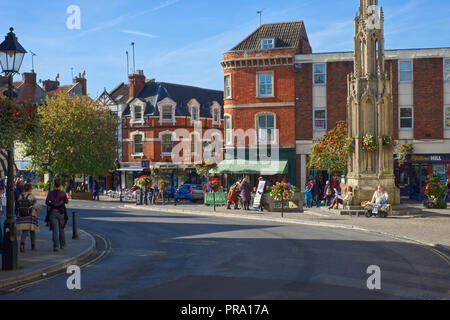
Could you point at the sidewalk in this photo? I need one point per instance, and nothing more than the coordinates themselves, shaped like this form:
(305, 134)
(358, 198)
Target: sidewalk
(431, 228)
(44, 261)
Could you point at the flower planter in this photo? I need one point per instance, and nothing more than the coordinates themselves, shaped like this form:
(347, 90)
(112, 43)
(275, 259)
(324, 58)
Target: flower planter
(294, 205)
(82, 195)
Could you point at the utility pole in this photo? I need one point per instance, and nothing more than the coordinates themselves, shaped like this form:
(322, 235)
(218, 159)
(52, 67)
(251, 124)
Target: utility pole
(260, 16)
(32, 60)
(134, 60)
(128, 64)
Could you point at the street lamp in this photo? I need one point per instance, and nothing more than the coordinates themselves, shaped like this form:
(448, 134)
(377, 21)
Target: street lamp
(11, 58)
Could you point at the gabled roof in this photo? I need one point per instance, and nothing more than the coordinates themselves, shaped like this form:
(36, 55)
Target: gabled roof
(121, 93)
(154, 92)
(287, 35)
(63, 89)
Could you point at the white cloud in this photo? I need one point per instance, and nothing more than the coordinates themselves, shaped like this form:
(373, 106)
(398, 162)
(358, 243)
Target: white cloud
(138, 33)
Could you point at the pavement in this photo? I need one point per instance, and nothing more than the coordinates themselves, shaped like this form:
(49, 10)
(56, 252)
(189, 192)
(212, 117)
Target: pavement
(43, 261)
(431, 228)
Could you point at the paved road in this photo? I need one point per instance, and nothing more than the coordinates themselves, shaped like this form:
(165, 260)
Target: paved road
(166, 256)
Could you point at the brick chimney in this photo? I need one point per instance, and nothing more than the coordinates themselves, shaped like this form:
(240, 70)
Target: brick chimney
(29, 87)
(82, 80)
(137, 82)
(50, 85)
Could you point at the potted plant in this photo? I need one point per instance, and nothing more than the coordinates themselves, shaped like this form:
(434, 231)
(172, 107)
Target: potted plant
(368, 143)
(163, 185)
(282, 191)
(216, 186)
(144, 183)
(434, 191)
(404, 149)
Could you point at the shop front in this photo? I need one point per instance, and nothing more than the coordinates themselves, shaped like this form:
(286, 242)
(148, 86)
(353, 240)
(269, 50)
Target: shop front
(412, 175)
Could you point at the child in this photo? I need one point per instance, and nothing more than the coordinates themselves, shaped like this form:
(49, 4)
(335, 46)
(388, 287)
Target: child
(308, 197)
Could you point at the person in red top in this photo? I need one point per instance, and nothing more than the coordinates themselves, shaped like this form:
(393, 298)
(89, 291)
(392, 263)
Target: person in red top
(57, 215)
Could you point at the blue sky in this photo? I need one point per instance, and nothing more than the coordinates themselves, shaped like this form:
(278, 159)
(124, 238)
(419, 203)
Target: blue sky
(183, 41)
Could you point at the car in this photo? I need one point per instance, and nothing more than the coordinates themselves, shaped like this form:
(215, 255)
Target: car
(191, 192)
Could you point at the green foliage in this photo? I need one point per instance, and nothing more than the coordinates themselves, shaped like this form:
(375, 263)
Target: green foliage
(369, 143)
(404, 149)
(76, 134)
(203, 169)
(435, 189)
(332, 151)
(163, 184)
(281, 191)
(143, 182)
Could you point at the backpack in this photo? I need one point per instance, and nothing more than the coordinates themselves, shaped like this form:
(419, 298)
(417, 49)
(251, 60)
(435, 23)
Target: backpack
(24, 206)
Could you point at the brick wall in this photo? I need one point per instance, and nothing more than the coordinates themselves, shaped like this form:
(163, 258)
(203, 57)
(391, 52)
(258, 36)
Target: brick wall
(337, 91)
(428, 98)
(303, 106)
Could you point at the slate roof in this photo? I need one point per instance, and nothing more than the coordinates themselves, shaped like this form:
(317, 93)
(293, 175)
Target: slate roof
(287, 35)
(121, 93)
(154, 92)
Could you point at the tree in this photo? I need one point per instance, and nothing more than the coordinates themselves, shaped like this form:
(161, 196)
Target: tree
(332, 151)
(76, 135)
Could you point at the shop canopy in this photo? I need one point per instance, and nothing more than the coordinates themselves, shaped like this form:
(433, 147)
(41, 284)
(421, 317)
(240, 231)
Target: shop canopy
(265, 168)
(132, 169)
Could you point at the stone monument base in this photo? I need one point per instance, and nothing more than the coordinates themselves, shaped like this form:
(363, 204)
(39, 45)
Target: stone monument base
(365, 186)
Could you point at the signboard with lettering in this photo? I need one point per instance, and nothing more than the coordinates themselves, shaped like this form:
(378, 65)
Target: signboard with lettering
(259, 193)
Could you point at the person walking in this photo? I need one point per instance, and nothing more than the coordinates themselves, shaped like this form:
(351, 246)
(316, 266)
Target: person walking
(56, 201)
(315, 193)
(233, 196)
(328, 193)
(27, 217)
(245, 194)
(96, 191)
(308, 196)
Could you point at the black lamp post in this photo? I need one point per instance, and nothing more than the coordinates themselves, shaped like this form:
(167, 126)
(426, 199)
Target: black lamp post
(11, 57)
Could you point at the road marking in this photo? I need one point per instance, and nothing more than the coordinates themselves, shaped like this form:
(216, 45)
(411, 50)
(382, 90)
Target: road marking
(105, 252)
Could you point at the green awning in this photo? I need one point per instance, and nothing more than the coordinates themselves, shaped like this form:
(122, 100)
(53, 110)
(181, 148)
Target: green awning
(266, 168)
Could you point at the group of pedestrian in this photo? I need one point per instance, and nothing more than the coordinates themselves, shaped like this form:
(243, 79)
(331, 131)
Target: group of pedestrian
(27, 213)
(240, 191)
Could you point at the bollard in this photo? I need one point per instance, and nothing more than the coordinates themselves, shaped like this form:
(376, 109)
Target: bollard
(74, 226)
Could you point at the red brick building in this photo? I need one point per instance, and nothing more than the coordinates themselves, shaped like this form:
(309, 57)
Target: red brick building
(260, 96)
(308, 95)
(157, 117)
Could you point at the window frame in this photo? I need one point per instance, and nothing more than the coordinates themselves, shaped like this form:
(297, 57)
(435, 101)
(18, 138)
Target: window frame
(400, 118)
(228, 135)
(273, 130)
(141, 118)
(141, 143)
(400, 71)
(447, 127)
(272, 40)
(320, 74)
(194, 115)
(162, 144)
(258, 84)
(171, 113)
(445, 70)
(315, 128)
(230, 95)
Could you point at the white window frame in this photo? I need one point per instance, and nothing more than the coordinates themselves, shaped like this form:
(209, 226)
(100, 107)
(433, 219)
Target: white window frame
(447, 71)
(315, 119)
(171, 113)
(447, 127)
(400, 118)
(162, 135)
(258, 82)
(134, 144)
(400, 71)
(319, 74)
(228, 86)
(265, 42)
(274, 129)
(194, 113)
(135, 120)
(228, 131)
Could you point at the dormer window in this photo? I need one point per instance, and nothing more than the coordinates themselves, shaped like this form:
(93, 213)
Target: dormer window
(194, 113)
(138, 114)
(268, 43)
(167, 113)
(215, 115)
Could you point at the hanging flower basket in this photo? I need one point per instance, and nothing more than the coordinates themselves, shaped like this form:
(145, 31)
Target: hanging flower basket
(368, 143)
(387, 141)
(404, 150)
